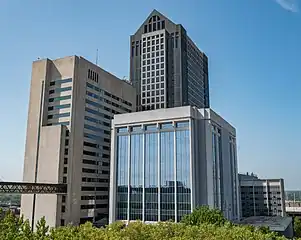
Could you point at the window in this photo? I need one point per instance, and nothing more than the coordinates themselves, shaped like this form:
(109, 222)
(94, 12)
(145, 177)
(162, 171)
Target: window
(64, 179)
(122, 130)
(89, 170)
(59, 115)
(166, 126)
(60, 81)
(182, 124)
(89, 153)
(59, 98)
(58, 90)
(65, 170)
(152, 127)
(59, 106)
(63, 209)
(63, 199)
(92, 145)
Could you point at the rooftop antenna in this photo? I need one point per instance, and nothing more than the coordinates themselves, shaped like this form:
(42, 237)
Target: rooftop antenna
(96, 62)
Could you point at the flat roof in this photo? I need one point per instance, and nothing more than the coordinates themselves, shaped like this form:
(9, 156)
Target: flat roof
(275, 223)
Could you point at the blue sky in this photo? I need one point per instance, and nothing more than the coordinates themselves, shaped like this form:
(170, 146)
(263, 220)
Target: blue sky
(254, 55)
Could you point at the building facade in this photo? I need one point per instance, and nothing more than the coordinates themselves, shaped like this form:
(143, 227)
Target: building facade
(166, 162)
(166, 67)
(261, 197)
(72, 102)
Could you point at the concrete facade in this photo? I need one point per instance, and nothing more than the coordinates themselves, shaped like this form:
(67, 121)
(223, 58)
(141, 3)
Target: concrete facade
(211, 170)
(72, 102)
(166, 67)
(261, 197)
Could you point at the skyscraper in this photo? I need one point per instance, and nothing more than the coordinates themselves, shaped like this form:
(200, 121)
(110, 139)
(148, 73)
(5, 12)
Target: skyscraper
(167, 162)
(166, 67)
(72, 102)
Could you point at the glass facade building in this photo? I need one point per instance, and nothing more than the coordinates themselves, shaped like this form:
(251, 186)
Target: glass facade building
(166, 162)
(153, 178)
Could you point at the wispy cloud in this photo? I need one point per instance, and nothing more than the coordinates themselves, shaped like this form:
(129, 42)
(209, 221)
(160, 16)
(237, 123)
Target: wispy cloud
(289, 5)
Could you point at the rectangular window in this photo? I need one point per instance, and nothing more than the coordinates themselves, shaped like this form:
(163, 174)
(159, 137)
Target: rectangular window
(59, 107)
(59, 98)
(166, 126)
(54, 116)
(58, 90)
(59, 123)
(152, 127)
(67, 80)
(183, 124)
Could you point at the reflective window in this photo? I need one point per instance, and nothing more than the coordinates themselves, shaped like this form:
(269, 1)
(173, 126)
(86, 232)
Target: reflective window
(151, 177)
(95, 104)
(91, 136)
(136, 128)
(160, 158)
(58, 90)
(183, 173)
(93, 128)
(166, 125)
(59, 123)
(59, 107)
(60, 81)
(122, 130)
(152, 127)
(94, 112)
(59, 98)
(167, 183)
(136, 187)
(54, 116)
(92, 119)
(183, 124)
(122, 177)
(89, 85)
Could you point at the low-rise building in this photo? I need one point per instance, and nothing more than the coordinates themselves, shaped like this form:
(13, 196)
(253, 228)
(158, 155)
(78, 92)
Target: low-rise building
(281, 225)
(261, 197)
(293, 208)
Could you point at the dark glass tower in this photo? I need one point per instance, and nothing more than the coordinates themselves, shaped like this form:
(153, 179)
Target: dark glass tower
(166, 67)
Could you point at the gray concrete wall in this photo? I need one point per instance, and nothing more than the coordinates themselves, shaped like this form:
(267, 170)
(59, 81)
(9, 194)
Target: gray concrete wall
(48, 70)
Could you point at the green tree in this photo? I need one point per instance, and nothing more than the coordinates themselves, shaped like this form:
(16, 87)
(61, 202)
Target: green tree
(42, 229)
(204, 214)
(297, 227)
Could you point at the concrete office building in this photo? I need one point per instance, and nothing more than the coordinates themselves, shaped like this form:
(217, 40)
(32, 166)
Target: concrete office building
(166, 67)
(166, 162)
(261, 197)
(72, 102)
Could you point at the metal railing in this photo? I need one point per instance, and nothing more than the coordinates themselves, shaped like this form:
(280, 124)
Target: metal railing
(32, 188)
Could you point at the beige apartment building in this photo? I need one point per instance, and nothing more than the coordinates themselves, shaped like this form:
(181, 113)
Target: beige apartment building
(72, 102)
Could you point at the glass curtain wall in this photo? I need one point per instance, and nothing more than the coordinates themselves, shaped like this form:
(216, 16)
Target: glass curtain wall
(151, 177)
(153, 163)
(122, 177)
(183, 172)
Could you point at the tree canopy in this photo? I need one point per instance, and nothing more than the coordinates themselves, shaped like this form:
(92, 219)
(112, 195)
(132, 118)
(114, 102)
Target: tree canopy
(195, 226)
